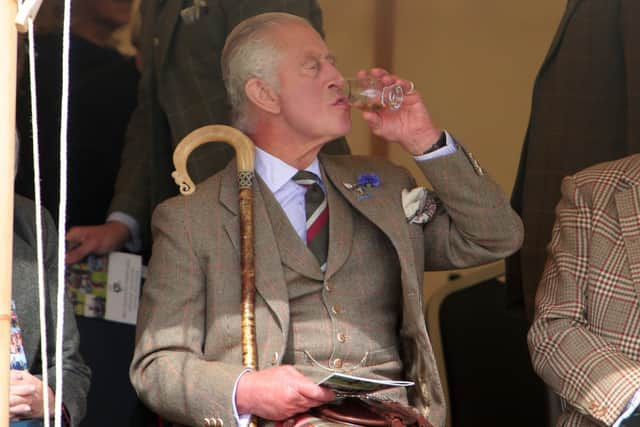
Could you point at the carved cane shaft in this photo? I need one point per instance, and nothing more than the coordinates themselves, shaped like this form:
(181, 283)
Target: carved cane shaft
(244, 158)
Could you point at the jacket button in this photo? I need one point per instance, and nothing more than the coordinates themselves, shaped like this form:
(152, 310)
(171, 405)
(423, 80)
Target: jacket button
(220, 422)
(336, 309)
(342, 337)
(337, 363)
(275, 358)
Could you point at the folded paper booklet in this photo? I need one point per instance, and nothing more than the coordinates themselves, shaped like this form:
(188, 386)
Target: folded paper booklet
(106, 286)
(349, 384)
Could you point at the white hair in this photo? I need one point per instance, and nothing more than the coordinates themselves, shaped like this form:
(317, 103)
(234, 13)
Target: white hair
(249, 53)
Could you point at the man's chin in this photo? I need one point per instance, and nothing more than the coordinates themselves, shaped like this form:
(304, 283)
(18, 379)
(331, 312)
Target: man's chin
(344, 131)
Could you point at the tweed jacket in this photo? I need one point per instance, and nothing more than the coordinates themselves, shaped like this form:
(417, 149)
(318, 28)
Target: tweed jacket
(585, 339)
(584, 111)
(25, 294)
(187, 355)
(181, 89)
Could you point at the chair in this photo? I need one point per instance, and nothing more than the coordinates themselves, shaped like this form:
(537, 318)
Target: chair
(482, 355)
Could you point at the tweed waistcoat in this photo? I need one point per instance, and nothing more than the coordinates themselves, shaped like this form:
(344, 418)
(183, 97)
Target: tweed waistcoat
(337, 324)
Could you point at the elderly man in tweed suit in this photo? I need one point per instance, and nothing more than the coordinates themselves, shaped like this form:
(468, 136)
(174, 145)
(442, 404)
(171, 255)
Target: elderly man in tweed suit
(357, 308)
(585, 339)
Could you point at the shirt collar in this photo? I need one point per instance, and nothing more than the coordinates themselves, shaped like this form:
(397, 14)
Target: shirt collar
(275, 173)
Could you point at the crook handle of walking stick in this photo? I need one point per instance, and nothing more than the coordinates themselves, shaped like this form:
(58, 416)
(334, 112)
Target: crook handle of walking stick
(238, 140)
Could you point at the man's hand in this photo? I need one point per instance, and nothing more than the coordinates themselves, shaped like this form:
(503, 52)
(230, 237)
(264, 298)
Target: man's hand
(278, 393)
(410, 126)
(95, 239)
(26, 398)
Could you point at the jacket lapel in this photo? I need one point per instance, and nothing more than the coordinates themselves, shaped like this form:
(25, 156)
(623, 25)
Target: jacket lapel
(572, 5)
(269, 277)
(628, 207)
(340, 228)
(23, 296)
(380, 205)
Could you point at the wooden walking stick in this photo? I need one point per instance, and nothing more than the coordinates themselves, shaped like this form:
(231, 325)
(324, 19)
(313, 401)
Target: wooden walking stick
(244, 159)
(8, 60)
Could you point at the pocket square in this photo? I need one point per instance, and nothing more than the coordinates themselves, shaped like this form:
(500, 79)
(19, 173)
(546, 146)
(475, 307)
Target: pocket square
(419, 205)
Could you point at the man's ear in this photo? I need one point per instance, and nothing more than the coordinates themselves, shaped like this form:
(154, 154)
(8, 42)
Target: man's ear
(262, 95)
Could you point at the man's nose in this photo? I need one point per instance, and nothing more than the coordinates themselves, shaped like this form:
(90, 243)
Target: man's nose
(337, 79)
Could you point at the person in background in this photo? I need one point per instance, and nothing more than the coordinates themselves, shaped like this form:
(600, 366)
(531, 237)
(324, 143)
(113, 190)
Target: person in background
(26, 393)
(103, 89)
(585, 337)
(26, 388)
(584, 111)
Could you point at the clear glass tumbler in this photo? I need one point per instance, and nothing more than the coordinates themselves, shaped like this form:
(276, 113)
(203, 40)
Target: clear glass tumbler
(371, 94)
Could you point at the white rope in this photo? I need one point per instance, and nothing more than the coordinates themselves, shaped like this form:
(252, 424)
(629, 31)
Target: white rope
(28, 9)
(39, 239)
(62, 209)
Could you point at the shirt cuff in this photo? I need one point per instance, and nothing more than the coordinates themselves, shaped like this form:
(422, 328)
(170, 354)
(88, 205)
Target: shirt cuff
(134, 244)
(242, 420)
(450, 147)
(629, 409)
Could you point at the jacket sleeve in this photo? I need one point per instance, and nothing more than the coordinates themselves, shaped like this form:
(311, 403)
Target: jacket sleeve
(475, 223)
(169, 370)
(590, 373)
(76, 374)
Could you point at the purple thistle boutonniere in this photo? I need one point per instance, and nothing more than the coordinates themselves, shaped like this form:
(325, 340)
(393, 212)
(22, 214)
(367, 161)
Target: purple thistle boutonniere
(368, 180)
(365, 181)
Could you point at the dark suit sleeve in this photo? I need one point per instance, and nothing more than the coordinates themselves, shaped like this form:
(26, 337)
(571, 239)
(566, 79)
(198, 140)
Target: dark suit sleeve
(132, 187)
(629, 16)
(75, 386)
(131, 192)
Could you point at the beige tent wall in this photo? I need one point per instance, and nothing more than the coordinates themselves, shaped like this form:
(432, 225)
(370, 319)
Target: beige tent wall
(474, 62)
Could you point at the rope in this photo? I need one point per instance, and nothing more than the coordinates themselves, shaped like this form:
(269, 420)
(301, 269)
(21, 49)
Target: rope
(39, 239)
(33, 8)
(62, 209)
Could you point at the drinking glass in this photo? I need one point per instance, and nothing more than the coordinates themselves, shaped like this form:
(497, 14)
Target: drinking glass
(371, 94)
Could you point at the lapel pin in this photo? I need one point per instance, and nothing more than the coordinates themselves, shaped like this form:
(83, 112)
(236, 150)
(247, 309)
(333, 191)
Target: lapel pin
(365, 182)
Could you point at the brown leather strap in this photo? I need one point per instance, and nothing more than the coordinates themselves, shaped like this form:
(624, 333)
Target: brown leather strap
(371, 412)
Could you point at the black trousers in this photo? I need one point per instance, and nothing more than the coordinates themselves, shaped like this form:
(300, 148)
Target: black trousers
(632, 421)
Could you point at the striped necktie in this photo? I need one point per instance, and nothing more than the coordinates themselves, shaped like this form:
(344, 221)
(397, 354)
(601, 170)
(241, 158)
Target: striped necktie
(317, 213)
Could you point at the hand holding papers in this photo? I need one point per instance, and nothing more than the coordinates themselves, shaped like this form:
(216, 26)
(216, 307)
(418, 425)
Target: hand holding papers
(349, 385)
